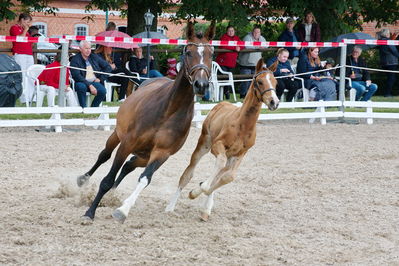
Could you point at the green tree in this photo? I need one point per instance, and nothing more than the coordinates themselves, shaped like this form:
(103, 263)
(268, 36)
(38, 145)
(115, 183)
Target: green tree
(8, 7)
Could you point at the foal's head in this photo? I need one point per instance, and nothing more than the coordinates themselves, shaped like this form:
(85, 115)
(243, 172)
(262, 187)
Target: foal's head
(198, 58)
(264, 85)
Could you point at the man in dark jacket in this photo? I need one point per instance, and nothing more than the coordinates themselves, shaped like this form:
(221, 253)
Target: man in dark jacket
(389, 58)
(85, 79)
(360, 77)
(289, 35)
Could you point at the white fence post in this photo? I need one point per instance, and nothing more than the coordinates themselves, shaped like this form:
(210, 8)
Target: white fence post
(369, 112)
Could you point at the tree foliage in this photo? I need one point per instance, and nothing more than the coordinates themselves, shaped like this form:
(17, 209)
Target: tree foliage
(8, 7)
(334, 16)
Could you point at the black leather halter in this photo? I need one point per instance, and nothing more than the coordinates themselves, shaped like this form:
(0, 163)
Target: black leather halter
(257, 86)
(190, 72)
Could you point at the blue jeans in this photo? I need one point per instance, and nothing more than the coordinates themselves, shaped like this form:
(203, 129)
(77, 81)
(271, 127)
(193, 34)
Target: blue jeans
(245, 85)
(153, 74)
(81, 90)
(360, 87)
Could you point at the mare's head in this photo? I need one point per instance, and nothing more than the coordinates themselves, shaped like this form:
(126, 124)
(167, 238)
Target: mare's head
(264, 86)
(198, 58)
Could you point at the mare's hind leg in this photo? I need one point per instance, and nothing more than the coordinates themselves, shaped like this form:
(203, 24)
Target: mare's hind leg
(108, 181)
(129, 166)
(156, 160)
(203, 147)
(104, 155)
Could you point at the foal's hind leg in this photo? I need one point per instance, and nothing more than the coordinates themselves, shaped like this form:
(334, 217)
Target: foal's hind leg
(104, 155)
(203, 147)
(156, 160)
(108, 181)
(129, 166)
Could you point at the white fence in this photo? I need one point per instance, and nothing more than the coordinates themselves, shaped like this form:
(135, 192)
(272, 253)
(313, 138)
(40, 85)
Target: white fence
(321, 111)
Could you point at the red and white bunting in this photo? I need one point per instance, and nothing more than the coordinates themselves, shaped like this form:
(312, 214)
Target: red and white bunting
(184, 42)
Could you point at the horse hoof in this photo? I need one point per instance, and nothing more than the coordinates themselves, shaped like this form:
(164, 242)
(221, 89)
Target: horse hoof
(119, 216)
(204, 217)
(86, 220)
(81, 180)
(169, 208)
(191, 195)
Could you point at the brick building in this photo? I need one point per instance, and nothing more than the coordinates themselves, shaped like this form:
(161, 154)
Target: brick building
(69, 21)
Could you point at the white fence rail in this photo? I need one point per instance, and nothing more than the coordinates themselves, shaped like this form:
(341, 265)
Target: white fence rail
(103, 120)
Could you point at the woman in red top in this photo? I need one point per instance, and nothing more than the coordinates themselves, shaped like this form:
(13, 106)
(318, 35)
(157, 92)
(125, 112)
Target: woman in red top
(23, 54)
(49, 82)
(228, 60)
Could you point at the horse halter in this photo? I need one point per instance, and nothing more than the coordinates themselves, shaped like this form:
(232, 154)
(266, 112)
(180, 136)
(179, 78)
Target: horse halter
(257, 86)
(196, 67)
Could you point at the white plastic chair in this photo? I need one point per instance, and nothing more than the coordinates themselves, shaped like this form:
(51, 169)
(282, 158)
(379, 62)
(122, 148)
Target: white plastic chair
(33, 72)
(305, 91)
(88, 94)
(109, 86)
(217, 92)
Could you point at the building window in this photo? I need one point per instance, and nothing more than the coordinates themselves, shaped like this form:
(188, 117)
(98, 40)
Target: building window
(42, 27)
(122, 28)
(161, 29)
(81, 30)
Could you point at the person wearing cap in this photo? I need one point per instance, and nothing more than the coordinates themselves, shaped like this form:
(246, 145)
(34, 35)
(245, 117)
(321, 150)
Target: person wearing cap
(361, 81)
(289, 35)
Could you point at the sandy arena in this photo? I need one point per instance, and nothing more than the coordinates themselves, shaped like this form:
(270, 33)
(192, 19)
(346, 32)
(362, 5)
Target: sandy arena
(306, 194)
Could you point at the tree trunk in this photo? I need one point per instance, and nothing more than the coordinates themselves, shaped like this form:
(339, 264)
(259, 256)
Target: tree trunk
(135, 15)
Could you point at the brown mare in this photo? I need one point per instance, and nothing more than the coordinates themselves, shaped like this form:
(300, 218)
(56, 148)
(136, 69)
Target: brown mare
(153, 123)
(229, 132)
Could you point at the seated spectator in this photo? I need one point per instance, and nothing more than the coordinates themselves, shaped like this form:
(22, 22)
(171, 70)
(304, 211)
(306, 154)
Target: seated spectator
(228, 60)
(321, 88)
(138, 63)
(289, 35)
(106, 53)
(389, 58)
(360, 77)
(309, 30)
(281, 67)
(85, 78)
(49, 82)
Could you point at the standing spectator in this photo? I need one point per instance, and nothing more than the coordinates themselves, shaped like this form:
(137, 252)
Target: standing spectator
(49, 82)
(23, 54)
(138, 63)
(281, 67)
(86, 80)
(321, 88)
(106, 53)
(247, 61)
(389, 61)
(309, 30)
(228, 60)
(360, 77)
(289, 35)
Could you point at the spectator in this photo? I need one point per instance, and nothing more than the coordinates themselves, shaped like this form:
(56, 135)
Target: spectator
(85, 78)
(34, 31)
(247, 61)
(23, 54)
(360, 77)
(309, 30)
(289, 35)
(228, 60)
(49, 82)
(106, 53)
(110, 26)
(321, 88)
(389, 61)
(138, 64)
(281, 67)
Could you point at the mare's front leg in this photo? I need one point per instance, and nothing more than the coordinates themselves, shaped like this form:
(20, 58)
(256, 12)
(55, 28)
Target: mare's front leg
(156, 160)
(203, 147)
(108, 181)
(104, 155)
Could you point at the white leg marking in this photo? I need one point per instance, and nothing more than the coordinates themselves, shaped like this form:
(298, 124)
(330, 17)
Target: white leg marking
(172, 204)
(209, 204)
(129, 202)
